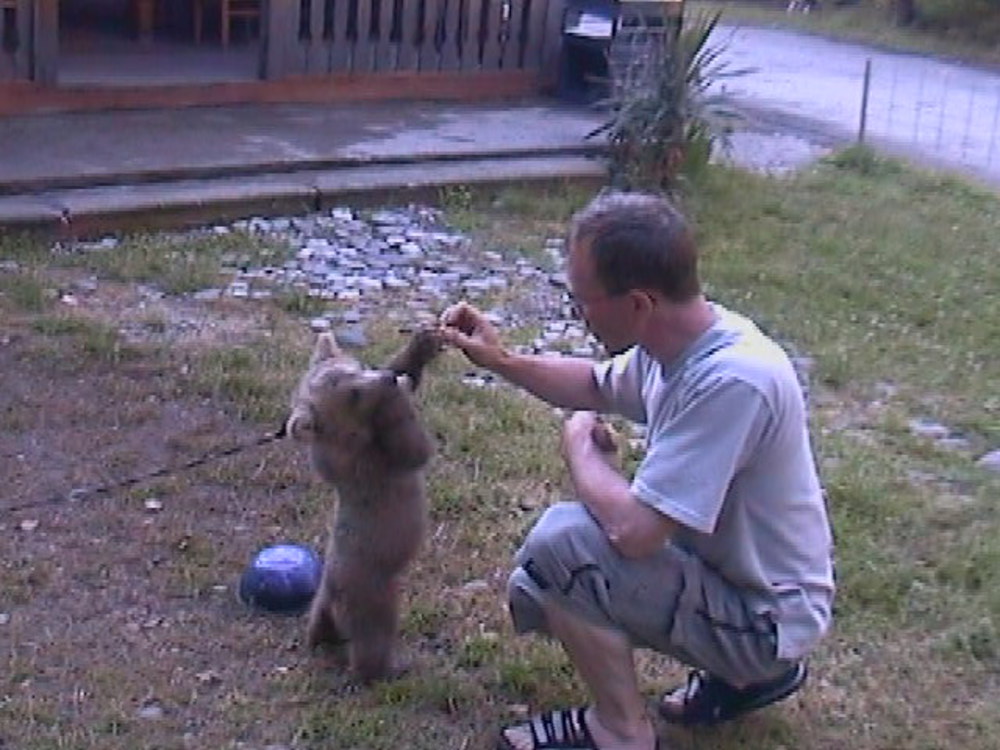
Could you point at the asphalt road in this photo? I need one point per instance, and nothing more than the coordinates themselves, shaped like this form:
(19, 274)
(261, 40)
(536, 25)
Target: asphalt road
(931, 110)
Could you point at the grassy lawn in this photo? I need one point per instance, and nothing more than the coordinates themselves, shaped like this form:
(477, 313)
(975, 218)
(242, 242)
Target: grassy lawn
(861, 22)
(119, 628)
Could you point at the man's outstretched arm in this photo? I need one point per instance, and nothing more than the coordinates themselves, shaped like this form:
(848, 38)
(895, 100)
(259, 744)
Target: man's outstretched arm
(567, 382)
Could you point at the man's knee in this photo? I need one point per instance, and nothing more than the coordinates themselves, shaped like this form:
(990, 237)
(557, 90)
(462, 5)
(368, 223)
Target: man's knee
(524, 600)
(565, 536)
(563, 562)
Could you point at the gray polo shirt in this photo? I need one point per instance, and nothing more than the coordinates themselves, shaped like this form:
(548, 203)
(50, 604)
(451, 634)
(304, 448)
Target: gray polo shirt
(728, 457)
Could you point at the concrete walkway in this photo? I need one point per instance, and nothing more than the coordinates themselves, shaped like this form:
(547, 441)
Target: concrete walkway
(114, 164)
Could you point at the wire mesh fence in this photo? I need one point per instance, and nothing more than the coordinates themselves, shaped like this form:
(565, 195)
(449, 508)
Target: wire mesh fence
(946, 112)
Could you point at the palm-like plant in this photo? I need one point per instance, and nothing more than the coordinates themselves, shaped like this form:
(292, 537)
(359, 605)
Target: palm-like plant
(666, 114)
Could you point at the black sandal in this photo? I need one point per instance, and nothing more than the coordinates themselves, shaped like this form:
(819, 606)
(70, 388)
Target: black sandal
(707, 700)
(564, 729)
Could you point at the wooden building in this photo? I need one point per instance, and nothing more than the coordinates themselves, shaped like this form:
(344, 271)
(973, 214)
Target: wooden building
(85, 54)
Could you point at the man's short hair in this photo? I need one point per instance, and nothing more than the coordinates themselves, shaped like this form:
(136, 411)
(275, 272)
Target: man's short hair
(638, 241)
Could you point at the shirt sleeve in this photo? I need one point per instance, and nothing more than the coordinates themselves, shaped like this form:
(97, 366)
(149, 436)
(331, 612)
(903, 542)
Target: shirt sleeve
(692, 459)
(620, 380)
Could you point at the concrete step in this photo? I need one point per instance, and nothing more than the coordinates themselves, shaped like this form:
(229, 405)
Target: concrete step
(126, 173)
(77, 209)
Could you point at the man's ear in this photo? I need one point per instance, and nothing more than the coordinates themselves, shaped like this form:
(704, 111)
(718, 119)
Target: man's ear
(326, 348)
(642, 301)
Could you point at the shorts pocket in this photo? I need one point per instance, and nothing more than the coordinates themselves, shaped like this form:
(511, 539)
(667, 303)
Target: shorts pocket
(716, 631)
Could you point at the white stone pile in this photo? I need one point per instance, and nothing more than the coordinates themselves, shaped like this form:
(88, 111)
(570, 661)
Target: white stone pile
(404, 265)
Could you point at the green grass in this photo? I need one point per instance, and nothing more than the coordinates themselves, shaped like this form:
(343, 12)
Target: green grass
(85, 339)
(898, 308)
(176, 265)
(253, 378)
(886, 276)
(23, 292)
(839, 263)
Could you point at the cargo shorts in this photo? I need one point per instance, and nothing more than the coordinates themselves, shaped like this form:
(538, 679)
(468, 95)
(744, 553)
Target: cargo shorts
(670, 602)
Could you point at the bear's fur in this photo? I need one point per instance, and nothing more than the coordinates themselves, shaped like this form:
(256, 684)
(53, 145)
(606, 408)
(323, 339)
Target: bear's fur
(366, 438)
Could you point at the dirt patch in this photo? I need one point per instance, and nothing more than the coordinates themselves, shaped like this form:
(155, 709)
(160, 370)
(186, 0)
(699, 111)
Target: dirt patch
(118, 613)
(143, 577)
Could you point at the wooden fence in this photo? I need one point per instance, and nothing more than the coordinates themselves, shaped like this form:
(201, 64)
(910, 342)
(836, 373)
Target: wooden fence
(320, 37)
(331, 38)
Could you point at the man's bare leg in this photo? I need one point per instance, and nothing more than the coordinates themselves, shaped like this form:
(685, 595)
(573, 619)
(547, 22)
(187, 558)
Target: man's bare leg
(617, 719)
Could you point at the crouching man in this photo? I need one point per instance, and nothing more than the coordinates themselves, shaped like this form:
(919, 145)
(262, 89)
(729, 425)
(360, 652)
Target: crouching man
(718, 551)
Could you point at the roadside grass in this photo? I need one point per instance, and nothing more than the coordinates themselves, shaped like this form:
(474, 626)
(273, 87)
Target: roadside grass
(884, 276)
(861, 22)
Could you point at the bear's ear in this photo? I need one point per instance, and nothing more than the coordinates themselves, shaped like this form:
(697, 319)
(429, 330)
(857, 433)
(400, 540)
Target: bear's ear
(301, 424)
(326, 348)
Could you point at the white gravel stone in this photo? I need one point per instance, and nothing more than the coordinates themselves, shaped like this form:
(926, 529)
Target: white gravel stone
(990, 461)
(929, 429)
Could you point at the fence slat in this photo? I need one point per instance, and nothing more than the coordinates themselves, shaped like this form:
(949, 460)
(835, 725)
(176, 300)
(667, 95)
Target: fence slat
(519, 31)
(379, 36)
(8, 57)
(472, 52)
(282, 54)
(22, 58)
(491, 45)
(535, 33)
(317, 58)
(361, 59)
(410, 33)
(45, 41)
(552, 39)
(430, 56)
(338, 46)
(507, 36)
(395, 38)
(450, 49)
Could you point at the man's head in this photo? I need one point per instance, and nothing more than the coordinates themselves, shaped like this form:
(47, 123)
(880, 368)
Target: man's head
(628, 253)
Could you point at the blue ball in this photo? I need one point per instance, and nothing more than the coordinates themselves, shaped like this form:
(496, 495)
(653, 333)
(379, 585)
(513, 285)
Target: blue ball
(281, 578)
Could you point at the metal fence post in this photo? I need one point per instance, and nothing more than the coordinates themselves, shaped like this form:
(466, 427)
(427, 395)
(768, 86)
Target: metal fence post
(864, 100)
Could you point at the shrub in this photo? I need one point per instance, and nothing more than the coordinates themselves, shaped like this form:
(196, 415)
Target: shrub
(665, 115)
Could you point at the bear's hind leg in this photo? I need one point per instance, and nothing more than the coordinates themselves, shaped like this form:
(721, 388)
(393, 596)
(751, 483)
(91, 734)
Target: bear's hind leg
(372, 618)
(322, 624)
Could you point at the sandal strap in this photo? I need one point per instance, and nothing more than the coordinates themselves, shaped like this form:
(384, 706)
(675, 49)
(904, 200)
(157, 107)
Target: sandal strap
(707, 699)
(561, 729)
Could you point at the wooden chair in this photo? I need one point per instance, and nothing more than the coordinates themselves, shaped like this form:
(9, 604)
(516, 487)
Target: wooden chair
(229, 11)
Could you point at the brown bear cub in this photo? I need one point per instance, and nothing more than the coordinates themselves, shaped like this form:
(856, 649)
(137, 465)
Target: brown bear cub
(367, 439)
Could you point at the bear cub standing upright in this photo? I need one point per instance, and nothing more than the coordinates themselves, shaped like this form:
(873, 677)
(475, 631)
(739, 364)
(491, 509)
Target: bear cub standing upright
(366, 439)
